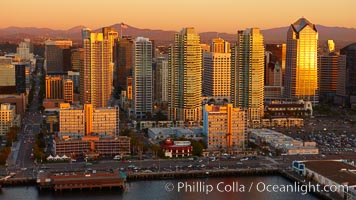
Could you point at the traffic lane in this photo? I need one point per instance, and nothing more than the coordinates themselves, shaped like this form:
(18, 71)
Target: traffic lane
(158, 164)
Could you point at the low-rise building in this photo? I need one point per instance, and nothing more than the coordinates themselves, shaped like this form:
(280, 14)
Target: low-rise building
(80, 145)
(278, 141)
(160, 124)
(336, 175)
(278, 109)
(281, 122)
(177, 148)
(159, 134)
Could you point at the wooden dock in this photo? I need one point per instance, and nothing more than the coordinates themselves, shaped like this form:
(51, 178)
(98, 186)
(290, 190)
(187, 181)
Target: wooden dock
(75, 180)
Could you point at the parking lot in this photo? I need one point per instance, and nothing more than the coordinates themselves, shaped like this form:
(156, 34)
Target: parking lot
(333, 135)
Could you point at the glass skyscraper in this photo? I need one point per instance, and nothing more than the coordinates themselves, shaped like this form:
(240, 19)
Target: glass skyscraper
(247, 73)
(301, 81)
(185, 77)
(96, 74)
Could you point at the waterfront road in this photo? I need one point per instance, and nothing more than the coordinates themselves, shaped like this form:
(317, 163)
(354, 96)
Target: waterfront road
(31, 125)
(152, 165)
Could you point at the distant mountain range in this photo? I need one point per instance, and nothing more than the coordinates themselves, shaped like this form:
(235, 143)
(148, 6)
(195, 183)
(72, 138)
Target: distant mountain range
(340, 35)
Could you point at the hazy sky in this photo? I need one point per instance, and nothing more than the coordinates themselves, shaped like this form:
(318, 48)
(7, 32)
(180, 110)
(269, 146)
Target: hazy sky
(204, 15)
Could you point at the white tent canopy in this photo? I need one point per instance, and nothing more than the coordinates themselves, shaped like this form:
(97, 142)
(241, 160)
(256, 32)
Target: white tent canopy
(64, 157)
(50, 157)
(57, 157)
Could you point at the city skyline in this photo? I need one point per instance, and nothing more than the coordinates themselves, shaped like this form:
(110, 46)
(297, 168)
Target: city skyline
(205, 16)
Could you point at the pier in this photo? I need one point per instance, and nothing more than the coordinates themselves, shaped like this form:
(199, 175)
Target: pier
(80, 180)
(201, 174)
(292, 176)
(100, 179)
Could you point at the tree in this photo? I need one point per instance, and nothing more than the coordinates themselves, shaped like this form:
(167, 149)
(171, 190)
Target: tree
(4, 153)
(149, 115)
(197, 148)
(160, 117)
(11, 135)
(157, 151)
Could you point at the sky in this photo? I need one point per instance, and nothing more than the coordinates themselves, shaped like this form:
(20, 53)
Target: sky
(205, 15)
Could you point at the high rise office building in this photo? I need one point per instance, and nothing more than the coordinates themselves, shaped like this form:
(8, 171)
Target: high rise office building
(301, 81)
(57, 56)
(161, 79)
(96, 76)
(219, 45)
(68, 91)
(328, 66)
(348, 76)
(77, 59)
(7, 76)
(20, 74)
(185, 77)
(275, 64)
(341, 97)
(129, 88)
(142, 84)
(54, 87)
(123, 61)
(111, 35)
(13, 76)
(217, 69)
(25, 50)
(247, 73)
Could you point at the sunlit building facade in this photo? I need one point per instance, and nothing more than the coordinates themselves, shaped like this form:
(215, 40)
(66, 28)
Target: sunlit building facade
(54, 87)
(68, 91)
(87, 120)
(7, 76)
(8, 118)
(247, 73)
(71, 120)
(111, 36)
(224, 126)
(301, 81)
(185, 77)
(217, 69)
(96, 74)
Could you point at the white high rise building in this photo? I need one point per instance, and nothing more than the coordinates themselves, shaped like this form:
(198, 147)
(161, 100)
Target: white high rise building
(25, 50)
(217, 70)
(142, 80)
